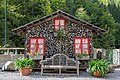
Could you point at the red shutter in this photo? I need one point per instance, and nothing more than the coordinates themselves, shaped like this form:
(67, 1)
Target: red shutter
(37, 45)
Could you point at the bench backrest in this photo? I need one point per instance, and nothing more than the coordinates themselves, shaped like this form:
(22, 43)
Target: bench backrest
(60, 59)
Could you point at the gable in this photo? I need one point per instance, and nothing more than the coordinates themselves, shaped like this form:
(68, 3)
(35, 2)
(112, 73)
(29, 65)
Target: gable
(58, 13)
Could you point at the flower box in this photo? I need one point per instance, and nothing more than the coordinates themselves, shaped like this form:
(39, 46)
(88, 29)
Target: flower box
(39, 57)
(83, 58)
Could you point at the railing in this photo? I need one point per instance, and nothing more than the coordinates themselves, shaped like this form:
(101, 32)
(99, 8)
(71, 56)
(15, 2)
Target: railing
(7, 51)
(10, 54)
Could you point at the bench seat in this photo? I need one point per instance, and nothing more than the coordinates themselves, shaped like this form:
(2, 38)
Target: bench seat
(59, 61)
(59, 66)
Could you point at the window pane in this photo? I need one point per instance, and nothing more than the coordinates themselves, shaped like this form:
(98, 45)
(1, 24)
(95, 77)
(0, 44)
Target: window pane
(77, 45)
(40, 51)
(40, 46)
(78, 51)
(85, 46)
(57, 27)
(33, 45)
(40, 41)
(62, 22)
(56, 22)
(77, 40)
(61, 27)
(84, 40)
(33, 40)
(32, 51)
(85, 50)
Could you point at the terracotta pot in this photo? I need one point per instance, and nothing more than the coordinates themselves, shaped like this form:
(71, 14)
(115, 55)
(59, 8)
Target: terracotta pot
(24, 71)
(97, 74)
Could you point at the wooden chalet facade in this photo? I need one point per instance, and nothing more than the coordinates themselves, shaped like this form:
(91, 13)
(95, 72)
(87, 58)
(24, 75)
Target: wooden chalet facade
(41, 39)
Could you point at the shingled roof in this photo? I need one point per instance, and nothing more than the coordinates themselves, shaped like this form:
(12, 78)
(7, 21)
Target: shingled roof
(55, 14)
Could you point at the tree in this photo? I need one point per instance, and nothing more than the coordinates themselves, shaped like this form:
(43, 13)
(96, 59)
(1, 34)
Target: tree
(100, 16)
(110, 2)
(81, 14)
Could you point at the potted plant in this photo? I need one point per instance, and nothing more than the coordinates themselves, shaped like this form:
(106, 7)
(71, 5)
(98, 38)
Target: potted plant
(98, 68)
(24, 66)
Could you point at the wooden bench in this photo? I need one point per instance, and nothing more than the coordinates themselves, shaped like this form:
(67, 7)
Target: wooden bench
(59, 61)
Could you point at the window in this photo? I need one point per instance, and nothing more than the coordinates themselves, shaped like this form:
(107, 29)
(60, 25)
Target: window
(59, 23)
(81, 45)
(37, 45)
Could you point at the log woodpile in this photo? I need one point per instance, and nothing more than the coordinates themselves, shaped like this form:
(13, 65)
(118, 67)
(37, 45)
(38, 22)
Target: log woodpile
(52, 44)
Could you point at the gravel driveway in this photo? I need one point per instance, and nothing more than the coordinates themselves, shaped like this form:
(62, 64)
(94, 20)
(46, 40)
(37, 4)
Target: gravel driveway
(36, 76)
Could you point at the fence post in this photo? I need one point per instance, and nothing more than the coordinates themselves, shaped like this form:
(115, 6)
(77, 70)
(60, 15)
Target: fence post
(7, 51)
(15, 51)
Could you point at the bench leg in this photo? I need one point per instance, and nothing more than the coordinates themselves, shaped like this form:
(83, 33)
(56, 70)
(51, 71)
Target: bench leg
(78, 71)
(41, 71)
(60, 71)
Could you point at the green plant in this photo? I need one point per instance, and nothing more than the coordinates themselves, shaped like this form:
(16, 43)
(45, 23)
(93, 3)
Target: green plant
(100, 66)
(84, 54)
(25, 63)
(61, 34)
(78, 55)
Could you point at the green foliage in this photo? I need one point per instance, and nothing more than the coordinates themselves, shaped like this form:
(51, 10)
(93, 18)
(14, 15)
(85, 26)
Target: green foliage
(58, 5)
(99, 65)
(110, 2)
(25, 63)
(109, 55)
(84, 54)
(79, 55)
(61, 34)
(20, 12)
(81, 14)
(101, 17)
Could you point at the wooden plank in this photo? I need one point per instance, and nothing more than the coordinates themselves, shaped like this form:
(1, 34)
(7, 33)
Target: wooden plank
(62, 74)
(58, 66)
(12, 48)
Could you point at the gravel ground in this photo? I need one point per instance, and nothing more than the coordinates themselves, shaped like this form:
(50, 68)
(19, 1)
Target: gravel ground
(36, 76)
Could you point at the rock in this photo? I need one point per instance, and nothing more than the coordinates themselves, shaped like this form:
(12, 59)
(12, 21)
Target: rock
(111, 69)
(87, 70)
(9, 65)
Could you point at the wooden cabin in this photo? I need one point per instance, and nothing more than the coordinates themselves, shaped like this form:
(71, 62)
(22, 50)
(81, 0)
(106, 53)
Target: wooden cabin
(42, 42)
